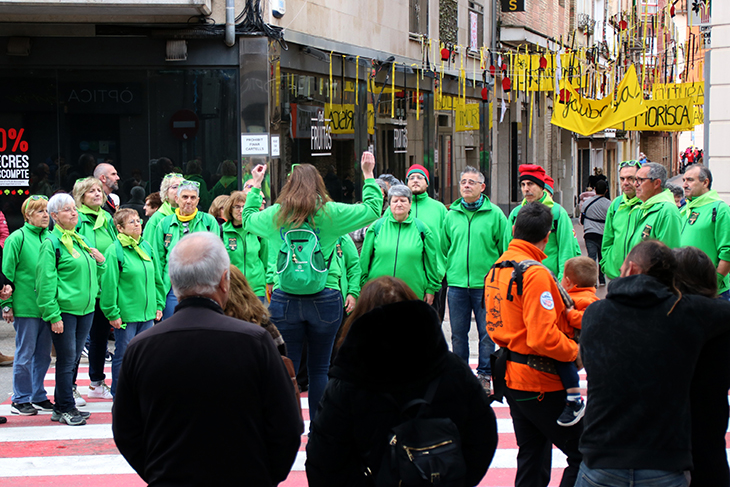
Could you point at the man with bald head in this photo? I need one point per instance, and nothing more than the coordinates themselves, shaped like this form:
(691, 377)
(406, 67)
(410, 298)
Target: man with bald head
(107, 174)
(161, 417)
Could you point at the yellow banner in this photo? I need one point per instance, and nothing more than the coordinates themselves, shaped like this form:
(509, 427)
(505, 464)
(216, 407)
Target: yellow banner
(675, 115)
(342, 118)
(467, 116)
(527, 72)
(673, 91)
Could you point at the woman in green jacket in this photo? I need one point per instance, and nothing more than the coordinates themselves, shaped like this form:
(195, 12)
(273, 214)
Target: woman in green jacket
(96, 225)
(32, 334)
(168, 196)
(400, 245)
(67, 283)
(131, 288)
(247, 251)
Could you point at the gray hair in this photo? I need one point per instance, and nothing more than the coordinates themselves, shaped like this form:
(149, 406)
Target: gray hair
(58, 201)
(656, 171)
(400, 190)
(196, 264)
(703, 175)
(472, 170)
(390, 179)
(189, 186)
(676, 190)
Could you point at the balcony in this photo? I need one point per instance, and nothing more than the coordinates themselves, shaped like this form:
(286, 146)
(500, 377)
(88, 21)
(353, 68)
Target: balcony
(104, 8)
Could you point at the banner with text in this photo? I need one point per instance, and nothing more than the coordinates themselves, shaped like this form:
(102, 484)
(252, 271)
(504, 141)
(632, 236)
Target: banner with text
(675, 115)
(673, 91)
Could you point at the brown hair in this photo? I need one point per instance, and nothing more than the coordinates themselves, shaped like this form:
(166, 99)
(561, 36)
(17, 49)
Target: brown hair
(218, 204)
(242, 302)
(228, 168)
(236, 197)
(122, 214)
(696, 274)
(303, 195)
(378, 292)
(153, 200)
(30, 206)
(582, 271)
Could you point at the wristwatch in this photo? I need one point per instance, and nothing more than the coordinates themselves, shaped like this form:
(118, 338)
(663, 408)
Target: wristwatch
(6, 309)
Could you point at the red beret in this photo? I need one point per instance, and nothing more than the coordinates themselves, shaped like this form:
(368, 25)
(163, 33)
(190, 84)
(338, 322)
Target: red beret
(534, 173)
(549, 183)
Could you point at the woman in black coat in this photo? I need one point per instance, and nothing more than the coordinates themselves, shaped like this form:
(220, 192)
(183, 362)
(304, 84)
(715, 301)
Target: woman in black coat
(393, 350)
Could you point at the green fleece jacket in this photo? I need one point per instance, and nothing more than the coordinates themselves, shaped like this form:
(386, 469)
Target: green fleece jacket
(656, 218)
(168, 234)
(72, 286)
(155, 219)
(330, 223)
(135, 293)
(432, 213)
(20, 259)
(472, 242)
(562, 244)
(226, 185)
(250, 254)
(615, 234)
(399, 250)
(102, 237)
(347, 259)
(705, 225)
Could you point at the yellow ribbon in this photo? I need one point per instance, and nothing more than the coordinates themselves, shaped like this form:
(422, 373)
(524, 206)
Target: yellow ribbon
(67, 239)
(100, 219)
(128, 241)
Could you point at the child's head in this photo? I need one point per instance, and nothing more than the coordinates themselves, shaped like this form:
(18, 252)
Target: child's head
(580, 272)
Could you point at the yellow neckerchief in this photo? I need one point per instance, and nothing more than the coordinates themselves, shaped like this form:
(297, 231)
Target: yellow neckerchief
(128, 241)
(67, 239)
(100, 220)
(183, 218)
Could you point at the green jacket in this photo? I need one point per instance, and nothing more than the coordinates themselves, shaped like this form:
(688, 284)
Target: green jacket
(226, 185)
(432, 213)
(656, 218)
(168, 234)
(72, 286)
(333, 221)
(705, 225)
(562, 244)
(102, 237)
(347, 259)
(402, 250)
(615, 234)
(20, 259)
(250, 254)
(472, 242)
(149, 229)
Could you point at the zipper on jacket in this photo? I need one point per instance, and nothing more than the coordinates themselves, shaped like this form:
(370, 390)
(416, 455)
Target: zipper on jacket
(87, 262)
(397, 244)
(147, 286)
(468, 244)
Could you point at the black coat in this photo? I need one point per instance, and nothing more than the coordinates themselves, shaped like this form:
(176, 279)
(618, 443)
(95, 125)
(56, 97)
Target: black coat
(204, 399)
(395, 349)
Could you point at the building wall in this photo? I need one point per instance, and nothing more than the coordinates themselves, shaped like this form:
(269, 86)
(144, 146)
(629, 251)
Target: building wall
(549, 17)
(719, 81)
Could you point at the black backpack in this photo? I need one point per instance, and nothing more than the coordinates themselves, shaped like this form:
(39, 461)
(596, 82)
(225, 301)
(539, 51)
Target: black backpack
(421, 451)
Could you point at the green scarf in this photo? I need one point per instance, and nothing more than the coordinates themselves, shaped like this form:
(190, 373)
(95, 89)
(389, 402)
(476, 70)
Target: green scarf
(67, 239)
(546, 200)
(100, 220)
(628, 203)
(166, 209)
(665, 195)
(226, 180)
(709, 197)
(128, 241)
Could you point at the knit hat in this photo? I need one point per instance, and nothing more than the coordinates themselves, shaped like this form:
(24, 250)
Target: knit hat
(549, 183)
(534, 173)
(417, 168)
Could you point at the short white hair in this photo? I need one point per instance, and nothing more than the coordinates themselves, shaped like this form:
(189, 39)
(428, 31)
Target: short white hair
(58, 201)
(196, 264)
(186, 185)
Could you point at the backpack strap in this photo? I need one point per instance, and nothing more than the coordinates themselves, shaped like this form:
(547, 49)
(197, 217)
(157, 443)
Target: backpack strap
(584, 214)
(517, 278)
(56, 247)
(120, 254)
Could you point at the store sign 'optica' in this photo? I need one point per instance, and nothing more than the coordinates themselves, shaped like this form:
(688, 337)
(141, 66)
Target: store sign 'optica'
(14, 160)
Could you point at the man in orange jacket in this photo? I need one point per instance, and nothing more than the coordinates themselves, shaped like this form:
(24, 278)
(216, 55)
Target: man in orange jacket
(524, 309)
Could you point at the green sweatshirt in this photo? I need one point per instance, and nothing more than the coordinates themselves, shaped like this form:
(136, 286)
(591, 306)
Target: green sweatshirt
(333, 221)
(615, 234)
(102, 237)
(250, 254)
(20, 259)
(135, 293)
(656, 218)
(347, 259)
(433, 214)
(399, 250)
(472, 242)
(168, 234)
(705, 225)
(562, 244)
(226, 185)
(155, 219)
(71, 287)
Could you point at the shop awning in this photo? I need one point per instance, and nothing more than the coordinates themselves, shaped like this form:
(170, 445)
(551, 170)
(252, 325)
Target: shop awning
(110, 8)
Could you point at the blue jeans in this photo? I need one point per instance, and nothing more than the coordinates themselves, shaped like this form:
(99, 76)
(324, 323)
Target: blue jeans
(121, 339)
(32, 359)
(170, 303)
(594, 252)
(69, 345)
(588, 477)
(462, 303)
(568, 373)
(725, 295)
(316, 317)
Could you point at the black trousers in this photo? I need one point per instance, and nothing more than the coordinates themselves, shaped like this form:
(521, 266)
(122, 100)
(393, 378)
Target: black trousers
(534, 416)
(439, 301)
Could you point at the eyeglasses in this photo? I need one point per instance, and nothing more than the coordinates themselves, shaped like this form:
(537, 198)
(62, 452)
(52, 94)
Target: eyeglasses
(191, 183)
(247, 186)
(70, 209)
(238, 207)
(641, 180)
(135, 221)
(624, 164)
(471, 182)
(416, 177)
(292, 169)
(173, 175)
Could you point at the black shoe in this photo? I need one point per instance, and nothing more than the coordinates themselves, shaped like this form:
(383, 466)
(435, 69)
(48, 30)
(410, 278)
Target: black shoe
(83, 414)
(3, 420)
(573, 412)
(24, 409)
(46, 405)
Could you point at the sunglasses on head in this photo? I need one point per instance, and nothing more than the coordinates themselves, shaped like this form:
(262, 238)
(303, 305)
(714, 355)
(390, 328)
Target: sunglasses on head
(36, 197)
(190, 183)
(624, 164)
(173, 175)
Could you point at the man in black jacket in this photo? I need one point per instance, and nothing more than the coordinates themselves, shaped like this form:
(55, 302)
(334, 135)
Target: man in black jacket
(163, 421)
(640, 346)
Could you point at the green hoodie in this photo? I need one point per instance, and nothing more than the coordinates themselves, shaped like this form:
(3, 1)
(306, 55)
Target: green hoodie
(399, 250)
(71, 287)
(348, 261)
(705, 225)
(168, 234)
(333, 221)
(20, 259)
(656, 218)
(562, 243)
(102, 237)
(614, 234)
(135, 293)
(250, 254)
(149, 229)
(433, 214)
(472, 242)
(226, 185)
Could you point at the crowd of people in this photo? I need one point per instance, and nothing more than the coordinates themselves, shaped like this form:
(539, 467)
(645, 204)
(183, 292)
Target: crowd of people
(354, 296)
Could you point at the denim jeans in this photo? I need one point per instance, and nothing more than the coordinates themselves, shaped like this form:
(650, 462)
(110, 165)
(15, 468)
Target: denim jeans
(69, 345)
(98, 341)
(462, 303)
(121, 340)
(725, 295)
(588, 477)
(32, 359)
(594, 252)
(170, 303)
(568, 373)
(317, 318)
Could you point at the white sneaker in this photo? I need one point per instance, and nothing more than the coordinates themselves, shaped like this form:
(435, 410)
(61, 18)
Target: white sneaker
(80, 401)
(100, 391)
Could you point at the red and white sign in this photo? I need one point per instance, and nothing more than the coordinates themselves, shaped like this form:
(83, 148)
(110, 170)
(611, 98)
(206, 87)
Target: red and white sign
(184, 124)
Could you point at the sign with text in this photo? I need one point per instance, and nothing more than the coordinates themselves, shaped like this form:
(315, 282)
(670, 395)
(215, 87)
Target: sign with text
(320, 136)
(513, 5)
(254, 144)
(400, 139)
(119, 98)
(14, 162)
(679, 90)
(675, 115)
(467, 116)
(342, 117)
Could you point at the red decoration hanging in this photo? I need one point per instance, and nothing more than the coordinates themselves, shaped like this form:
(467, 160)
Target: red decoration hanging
(504, 67)
(445, 54)
(543, 62)
(622, 25)
(506, 84)
(492, 70)
(485, 93)
(564, 96)
(672, 11)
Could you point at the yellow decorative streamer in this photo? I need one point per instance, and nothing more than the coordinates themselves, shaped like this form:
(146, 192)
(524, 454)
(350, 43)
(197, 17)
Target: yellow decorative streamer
(392, 84)
(357, 79)
(330, 86)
